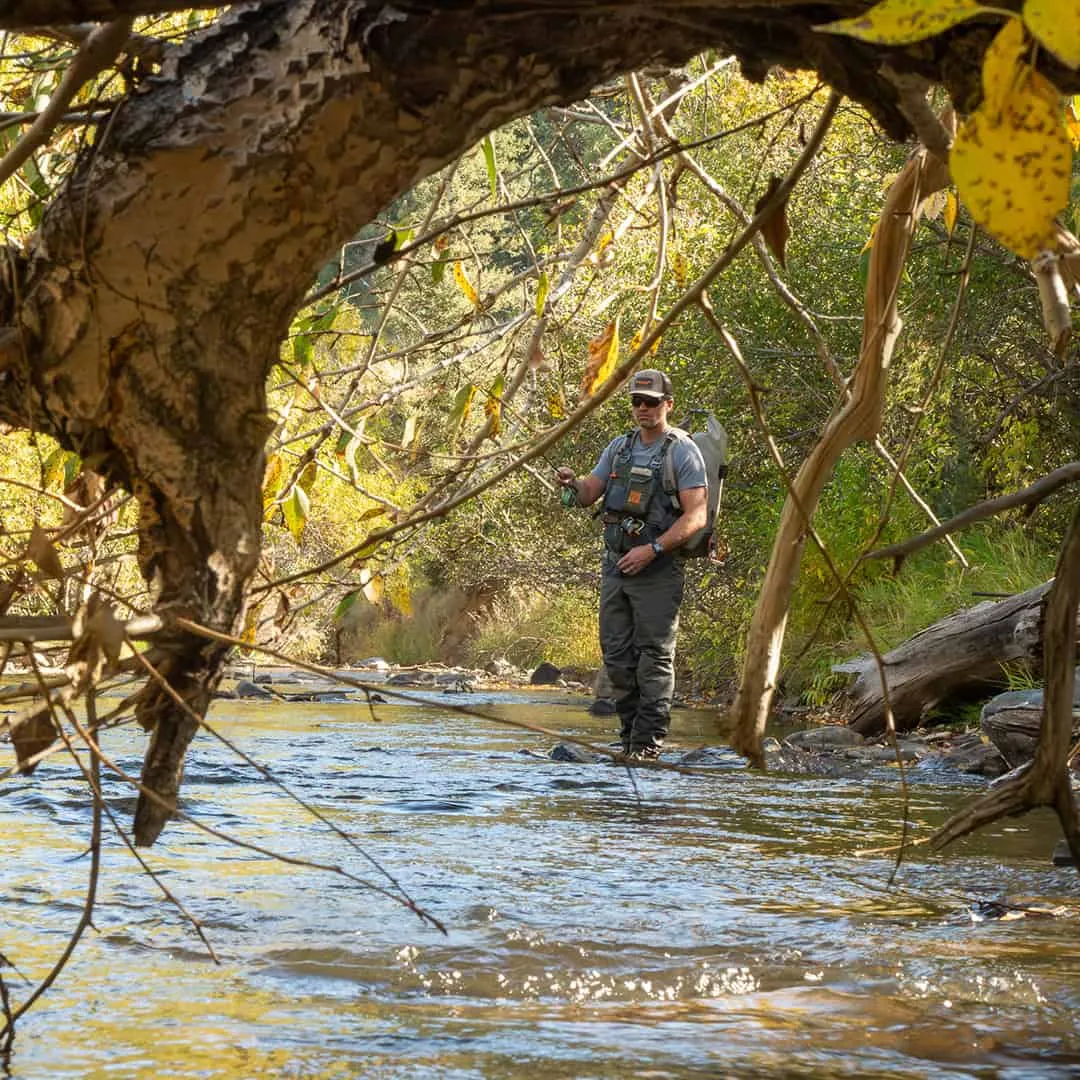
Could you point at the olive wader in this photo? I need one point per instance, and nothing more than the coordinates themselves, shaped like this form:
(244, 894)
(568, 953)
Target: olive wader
(639, 613)
(639, 618)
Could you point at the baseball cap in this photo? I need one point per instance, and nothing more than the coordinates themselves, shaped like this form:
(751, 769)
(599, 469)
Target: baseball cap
(651, 383)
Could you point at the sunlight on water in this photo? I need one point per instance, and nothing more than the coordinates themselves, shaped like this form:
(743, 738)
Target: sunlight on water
(598, 925)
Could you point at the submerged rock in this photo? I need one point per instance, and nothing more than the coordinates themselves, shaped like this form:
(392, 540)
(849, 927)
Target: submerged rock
(823, 738)
(575, 755)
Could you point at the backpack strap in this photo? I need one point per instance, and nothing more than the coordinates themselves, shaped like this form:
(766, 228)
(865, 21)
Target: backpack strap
(671, 488)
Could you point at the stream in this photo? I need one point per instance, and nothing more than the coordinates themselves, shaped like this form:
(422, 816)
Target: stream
(598, 924)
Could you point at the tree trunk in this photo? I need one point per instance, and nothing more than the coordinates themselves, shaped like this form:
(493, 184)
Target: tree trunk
(958, 657)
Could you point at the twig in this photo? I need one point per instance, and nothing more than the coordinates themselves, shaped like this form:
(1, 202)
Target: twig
(1029, 496)
(95, 54)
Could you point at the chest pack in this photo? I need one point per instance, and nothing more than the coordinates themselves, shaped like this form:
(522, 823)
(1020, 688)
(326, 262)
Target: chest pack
(641, 502)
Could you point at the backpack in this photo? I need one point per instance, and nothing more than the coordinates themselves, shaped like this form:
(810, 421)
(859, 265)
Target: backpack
(712, 442)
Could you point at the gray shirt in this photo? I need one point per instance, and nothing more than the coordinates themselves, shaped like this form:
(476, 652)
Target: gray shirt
(685, 456)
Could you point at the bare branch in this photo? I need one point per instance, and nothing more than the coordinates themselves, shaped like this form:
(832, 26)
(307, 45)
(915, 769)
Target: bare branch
(1029, 496)
(95, 54)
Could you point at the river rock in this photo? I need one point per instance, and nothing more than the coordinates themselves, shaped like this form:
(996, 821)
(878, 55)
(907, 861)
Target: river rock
(824, 738)
(574, 754)
(412, 678)
(374, 663)
(1012, 722)
(501, 668)
(245, 688)
(545, 675)
(602, 706)
(970, 753)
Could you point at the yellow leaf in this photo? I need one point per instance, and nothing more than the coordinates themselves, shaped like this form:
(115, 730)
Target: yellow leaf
(1072, 124)
(603, 353)
(870, 239)
(952, 208)
(1013, 170)
(636, 340)
(678, 267)
(272, 480)
(556, 406)
(900, 22)
(464, 284)
(1056, 23)
(1002, 69)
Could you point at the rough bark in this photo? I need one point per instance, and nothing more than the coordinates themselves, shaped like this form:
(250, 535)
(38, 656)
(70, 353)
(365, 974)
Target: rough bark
(961, 656)
(139, 326)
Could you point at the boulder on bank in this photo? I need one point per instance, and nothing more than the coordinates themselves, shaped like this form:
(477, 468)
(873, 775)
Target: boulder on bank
(545, 675)
(1012, 722)
(245, 688)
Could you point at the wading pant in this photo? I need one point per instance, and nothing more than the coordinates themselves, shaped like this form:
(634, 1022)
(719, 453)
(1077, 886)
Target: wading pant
(639, 617)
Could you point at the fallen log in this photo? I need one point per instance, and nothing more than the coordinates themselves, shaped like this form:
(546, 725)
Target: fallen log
(959, 657)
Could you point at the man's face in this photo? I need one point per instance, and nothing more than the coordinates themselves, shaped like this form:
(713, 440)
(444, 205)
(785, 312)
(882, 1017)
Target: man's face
(650, 413)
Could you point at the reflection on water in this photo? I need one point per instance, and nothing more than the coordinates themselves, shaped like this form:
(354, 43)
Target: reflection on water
(598, 925)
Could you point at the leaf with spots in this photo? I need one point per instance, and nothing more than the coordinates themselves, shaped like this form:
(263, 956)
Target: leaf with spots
(493, 407)
(1056, 23)
(464, 284)
(603, 354)
(1012, 166)
(900, 22)
(1002, 68)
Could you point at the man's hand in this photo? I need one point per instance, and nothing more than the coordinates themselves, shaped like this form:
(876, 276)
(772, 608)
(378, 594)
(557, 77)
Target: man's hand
(636, 559)
(565, 475)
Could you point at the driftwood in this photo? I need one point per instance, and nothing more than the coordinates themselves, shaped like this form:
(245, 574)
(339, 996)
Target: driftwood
(960, 656)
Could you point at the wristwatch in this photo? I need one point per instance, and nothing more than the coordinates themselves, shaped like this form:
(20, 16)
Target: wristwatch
(657, 547)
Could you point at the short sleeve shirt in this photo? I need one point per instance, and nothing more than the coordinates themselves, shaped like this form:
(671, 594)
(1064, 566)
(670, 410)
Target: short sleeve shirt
(685, 456)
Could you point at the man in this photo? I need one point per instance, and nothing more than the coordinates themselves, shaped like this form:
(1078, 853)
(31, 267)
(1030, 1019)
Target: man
(642, 583)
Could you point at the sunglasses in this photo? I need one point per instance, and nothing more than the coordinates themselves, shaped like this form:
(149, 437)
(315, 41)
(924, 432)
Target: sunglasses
(639, 402)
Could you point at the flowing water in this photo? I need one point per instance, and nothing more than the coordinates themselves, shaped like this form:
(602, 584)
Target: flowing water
(597, 924)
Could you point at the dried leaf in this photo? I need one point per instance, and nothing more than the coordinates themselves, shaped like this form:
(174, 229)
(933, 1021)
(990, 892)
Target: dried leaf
(934, 205)
(1056, 23)
(464, 284)
(107, 631)
(775, 227)
(603, 354)
(1013, 169)
(31, 736)
(372, 587)
(900, 22)
(537, 360)
(309, 476)
(41, 552)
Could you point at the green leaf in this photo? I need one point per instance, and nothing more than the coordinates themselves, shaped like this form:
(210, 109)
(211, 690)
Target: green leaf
(295, 508)
(489, 158)
(345, 604)
(438, 267)
(542, 287)
(303, 350)
(402, 235)
(462, 403)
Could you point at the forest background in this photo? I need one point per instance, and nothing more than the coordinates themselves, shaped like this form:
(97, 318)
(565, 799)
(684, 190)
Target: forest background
(498, 293)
